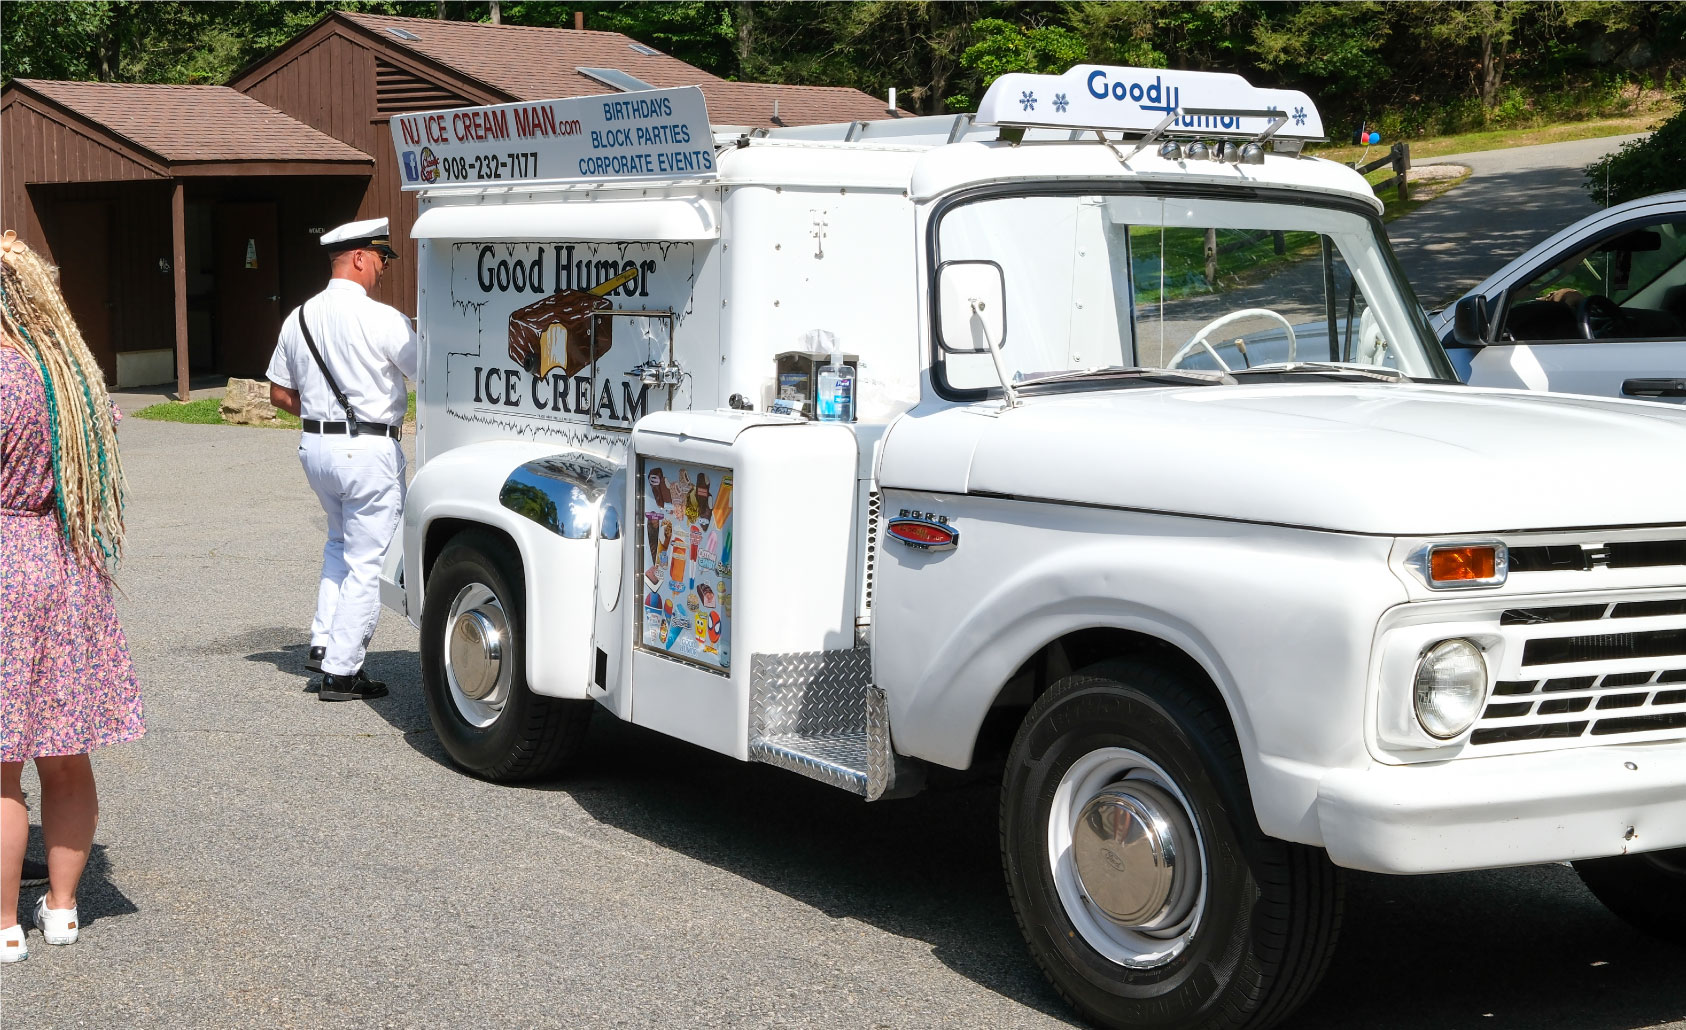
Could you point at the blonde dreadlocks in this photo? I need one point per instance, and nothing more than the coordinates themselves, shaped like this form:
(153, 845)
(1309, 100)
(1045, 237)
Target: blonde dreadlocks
(86, 465)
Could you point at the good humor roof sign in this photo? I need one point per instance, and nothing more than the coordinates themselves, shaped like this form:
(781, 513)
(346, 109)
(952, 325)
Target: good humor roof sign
(1093, 96)
(653, 134)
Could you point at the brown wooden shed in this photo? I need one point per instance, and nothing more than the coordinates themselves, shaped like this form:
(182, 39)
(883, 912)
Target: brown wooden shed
(170, 211)
(186, 218)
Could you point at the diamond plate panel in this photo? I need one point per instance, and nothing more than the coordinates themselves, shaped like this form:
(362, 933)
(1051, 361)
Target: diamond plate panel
(839, 761)
(880, 762)
(809, 693)
(818, 714)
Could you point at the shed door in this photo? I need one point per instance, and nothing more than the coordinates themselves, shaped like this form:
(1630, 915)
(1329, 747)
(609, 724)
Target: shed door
(84, 250)
(248, 271)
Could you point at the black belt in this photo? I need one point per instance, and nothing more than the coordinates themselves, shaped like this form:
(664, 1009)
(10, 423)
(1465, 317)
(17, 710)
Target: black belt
(312, 425)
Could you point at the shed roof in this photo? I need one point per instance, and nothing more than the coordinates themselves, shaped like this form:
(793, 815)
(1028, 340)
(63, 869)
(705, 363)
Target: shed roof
(195, 124)
(530, 63)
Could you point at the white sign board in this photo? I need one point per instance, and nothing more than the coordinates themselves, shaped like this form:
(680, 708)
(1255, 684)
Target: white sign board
(521, 342)
(1093, 96)
(653, 134)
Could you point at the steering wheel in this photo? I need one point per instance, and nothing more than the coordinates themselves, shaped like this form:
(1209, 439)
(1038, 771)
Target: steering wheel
(1198, 340)
(1598, 316)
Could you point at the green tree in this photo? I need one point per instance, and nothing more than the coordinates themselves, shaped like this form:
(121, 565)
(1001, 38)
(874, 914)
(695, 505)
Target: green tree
(1115, 33)
(1642, 167)
(1339, 47)
(1003, 47)
(1489, 26)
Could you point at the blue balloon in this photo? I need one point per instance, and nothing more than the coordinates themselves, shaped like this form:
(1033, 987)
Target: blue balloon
(1375, 137)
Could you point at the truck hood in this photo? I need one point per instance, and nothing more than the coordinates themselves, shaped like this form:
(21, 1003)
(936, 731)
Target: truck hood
(1385, 458)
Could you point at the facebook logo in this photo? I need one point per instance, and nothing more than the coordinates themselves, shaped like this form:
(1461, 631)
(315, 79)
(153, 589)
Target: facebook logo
(412, 171)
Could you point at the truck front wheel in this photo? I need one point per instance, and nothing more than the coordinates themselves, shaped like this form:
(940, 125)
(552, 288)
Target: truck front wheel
(1647, 890)
(473, 660)
(1138, 873)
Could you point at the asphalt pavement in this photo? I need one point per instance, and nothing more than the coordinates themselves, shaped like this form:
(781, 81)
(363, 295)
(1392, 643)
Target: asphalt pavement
(1512, 200)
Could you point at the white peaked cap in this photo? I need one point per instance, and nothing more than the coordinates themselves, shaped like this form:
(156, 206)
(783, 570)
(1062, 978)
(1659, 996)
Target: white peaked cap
(356, 232)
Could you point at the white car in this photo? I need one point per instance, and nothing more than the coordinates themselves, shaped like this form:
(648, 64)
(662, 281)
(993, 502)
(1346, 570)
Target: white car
(1599, 308)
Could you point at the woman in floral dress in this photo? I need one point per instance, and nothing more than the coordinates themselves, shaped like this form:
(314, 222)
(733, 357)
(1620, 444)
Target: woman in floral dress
(66, 683)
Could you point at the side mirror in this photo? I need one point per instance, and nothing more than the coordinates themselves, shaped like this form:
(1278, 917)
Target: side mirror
(1470, 324)
(971, 307)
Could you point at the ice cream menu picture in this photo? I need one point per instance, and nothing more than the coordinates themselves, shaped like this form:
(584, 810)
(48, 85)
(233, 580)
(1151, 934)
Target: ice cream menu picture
(687, 558)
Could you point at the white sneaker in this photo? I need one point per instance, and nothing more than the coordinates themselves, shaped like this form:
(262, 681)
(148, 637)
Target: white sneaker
(13, 948)
(57, 925)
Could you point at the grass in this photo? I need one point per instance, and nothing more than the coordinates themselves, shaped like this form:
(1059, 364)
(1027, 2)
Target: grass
(1500, 139)
(208, 412)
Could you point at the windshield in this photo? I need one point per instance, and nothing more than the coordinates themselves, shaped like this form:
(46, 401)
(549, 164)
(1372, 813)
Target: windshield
(1097, 281)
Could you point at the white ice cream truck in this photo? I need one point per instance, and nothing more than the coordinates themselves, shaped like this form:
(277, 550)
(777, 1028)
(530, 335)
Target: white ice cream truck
(1156, 487)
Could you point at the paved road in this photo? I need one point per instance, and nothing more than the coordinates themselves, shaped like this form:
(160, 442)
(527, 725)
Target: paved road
(268, 861)
(1512, 200)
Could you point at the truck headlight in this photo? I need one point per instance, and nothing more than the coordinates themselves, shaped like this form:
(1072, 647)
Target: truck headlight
(1451, 688)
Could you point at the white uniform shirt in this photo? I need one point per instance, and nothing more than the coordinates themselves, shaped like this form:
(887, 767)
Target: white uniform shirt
(369, 346)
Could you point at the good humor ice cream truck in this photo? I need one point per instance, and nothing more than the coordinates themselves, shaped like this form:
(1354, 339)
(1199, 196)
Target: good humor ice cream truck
(1098, 433)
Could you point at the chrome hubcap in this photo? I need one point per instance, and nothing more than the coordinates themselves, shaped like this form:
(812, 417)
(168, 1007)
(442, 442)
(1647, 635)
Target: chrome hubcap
(476, 645)
(1126, 855)
(1133, 847)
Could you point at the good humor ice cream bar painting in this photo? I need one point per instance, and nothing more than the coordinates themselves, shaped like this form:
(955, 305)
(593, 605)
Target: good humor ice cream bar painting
(686, 551)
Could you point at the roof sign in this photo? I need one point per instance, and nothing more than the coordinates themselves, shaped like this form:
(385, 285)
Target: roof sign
(1139, 100)
(652, 134)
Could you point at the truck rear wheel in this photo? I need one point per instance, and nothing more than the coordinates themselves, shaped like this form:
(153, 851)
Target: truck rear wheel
(473, 658)
(1647, 890)
(1140, 878)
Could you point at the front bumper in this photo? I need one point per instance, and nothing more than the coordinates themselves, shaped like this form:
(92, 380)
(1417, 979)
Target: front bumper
(1484, 813)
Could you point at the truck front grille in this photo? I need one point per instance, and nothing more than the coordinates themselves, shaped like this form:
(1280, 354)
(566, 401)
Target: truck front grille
(1631, 554)
(1583, 678)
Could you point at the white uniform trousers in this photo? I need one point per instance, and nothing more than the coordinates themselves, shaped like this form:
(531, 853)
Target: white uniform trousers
(360, 482)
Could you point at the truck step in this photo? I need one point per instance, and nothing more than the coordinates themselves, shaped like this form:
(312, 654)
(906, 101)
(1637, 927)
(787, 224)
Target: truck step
(818, 713)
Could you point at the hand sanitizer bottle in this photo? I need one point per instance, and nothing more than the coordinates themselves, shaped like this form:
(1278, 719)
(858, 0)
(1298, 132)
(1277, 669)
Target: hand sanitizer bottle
(836, 394)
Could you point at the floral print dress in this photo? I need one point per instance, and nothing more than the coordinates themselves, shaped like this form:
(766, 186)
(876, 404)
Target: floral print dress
(66, 683)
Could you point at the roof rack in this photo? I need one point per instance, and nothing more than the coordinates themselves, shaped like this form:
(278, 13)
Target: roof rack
(928, 130)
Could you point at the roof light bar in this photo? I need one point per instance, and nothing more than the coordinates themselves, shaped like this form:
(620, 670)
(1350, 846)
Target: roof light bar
(1151, 102)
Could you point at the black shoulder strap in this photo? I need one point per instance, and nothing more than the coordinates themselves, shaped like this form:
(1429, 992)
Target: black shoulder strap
(339, 395)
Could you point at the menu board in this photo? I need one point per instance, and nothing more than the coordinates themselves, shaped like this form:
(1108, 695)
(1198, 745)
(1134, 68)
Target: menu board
(685, 552)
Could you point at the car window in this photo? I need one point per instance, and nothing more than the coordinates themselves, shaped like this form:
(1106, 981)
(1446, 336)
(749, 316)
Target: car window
(1098, 281)
(1185, 275)
(1629, 284)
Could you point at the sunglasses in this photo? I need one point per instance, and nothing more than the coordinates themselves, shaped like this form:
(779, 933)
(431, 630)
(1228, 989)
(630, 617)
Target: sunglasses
(388, 255)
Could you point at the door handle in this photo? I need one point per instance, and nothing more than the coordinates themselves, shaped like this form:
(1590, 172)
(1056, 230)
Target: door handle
(273, 296)
(1654, 387)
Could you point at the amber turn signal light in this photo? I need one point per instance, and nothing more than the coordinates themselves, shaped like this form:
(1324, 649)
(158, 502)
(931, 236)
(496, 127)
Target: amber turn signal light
(1468, 565)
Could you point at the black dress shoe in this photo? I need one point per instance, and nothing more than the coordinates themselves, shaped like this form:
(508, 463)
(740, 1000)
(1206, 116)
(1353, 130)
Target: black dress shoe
(355, 687)
(313, 661)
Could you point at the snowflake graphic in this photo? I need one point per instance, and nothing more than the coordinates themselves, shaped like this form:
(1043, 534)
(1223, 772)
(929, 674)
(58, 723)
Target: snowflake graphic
(1060, 102)
(1028, 100)
(1299, 116)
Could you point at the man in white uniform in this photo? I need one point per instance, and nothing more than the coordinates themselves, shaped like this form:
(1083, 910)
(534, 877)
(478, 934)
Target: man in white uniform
(353, 414)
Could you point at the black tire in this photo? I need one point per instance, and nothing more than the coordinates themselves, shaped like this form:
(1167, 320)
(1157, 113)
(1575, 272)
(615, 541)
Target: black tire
(1272, 910)
(1647, 890)
(530, 736)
